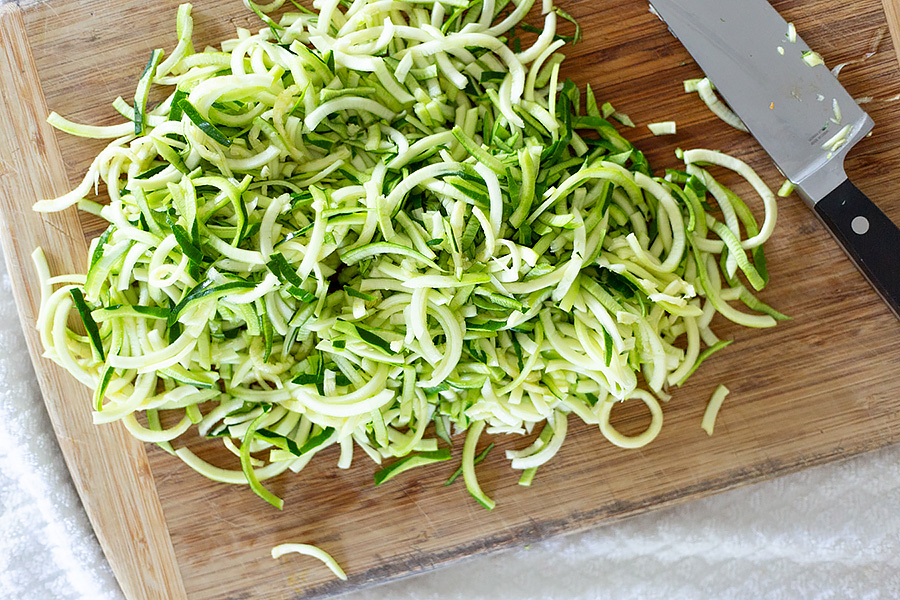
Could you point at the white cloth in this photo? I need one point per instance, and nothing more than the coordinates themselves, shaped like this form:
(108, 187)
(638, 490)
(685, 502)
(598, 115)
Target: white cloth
(828, 533)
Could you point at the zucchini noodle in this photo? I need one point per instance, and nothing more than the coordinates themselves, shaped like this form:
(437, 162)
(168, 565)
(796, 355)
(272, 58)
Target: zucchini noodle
(706, 91)
(712, 409)
(357, 224)
(310, 550)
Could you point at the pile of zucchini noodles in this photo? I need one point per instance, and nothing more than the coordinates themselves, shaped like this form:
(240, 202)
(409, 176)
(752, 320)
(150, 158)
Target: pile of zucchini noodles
(384, 215)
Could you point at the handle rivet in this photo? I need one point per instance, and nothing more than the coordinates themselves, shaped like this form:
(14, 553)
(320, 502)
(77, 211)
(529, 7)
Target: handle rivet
(859, 225)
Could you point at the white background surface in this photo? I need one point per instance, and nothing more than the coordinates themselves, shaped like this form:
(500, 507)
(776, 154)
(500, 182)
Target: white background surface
(830, 532)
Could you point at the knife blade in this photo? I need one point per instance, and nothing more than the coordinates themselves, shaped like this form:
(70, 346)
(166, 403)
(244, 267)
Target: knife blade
(788, 105)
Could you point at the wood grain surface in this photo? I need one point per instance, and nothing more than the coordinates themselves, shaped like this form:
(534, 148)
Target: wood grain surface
(821, 387)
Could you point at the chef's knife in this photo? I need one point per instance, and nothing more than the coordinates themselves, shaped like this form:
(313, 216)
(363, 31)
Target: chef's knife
(744, 48)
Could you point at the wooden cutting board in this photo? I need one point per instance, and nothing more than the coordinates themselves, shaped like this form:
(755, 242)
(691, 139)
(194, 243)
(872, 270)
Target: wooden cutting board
(821, 387)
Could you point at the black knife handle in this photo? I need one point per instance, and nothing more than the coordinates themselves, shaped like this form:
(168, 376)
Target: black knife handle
(867, 236)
